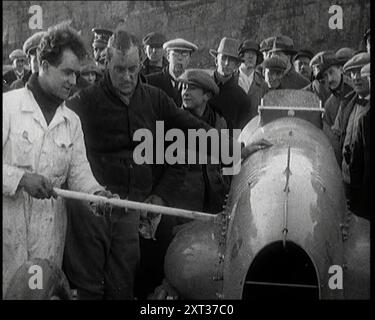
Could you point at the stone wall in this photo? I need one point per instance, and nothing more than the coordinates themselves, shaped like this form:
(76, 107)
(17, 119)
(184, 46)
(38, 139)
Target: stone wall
(203, 22)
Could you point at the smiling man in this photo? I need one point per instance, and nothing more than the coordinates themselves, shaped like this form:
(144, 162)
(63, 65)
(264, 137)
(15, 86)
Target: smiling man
(43, 148)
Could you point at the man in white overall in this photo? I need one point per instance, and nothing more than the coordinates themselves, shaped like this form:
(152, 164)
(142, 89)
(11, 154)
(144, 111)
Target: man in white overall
(43, 147)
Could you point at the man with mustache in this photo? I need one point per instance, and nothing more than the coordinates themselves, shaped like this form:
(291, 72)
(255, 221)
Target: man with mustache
(352, 131)
(179, 53)
(43, 148)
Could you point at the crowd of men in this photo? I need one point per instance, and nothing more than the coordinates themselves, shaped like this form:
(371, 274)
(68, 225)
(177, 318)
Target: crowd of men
(69, 120)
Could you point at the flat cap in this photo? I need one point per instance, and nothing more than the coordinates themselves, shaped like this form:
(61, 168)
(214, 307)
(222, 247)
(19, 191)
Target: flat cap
(278, 43)
(101, 37)
(303, 53)
(154, 39)
(247, 45)
(274, 63)
(17, 54)
(322, 61)
(358, 61)
(344, 55)
(199, 78)
(180, 44)
(365, 71)
(33, 42)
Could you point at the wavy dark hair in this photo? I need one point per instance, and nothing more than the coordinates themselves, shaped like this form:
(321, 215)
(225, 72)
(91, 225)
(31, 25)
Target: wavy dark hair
(57, 39)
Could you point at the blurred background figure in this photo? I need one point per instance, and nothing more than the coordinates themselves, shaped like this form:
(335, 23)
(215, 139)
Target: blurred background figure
(153, 47)
(301, 62)
(90, 72)
(365, 44)
(101, 37)
(29, 48)
(18, 60)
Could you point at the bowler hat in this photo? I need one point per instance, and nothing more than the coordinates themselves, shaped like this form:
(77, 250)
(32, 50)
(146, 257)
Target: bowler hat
(33, 42)
(358, 61)
(228, 47)
(101, 37)
(344, 54)
(17, 54)
(180, 44)
(154, 39)
(199, 78)
(365, 71)
(274, 63)
(322, 61)
(248, 45)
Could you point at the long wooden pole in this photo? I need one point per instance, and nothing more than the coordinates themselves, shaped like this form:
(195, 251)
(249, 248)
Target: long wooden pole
(135, 205)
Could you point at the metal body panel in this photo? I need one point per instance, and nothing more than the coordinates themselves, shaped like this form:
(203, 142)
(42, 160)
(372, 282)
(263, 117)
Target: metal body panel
(191, 262)
(314, 211)
(291, 192)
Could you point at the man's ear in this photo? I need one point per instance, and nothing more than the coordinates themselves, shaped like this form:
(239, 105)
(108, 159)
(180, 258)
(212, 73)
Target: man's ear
(44, 65)
(208, 95)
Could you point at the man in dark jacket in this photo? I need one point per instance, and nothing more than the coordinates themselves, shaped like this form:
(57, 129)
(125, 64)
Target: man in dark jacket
(231, 102)
(153, 47)
(352, 130)
(102, 255)
(283, 47)
(204, 187)
(273, 69)
(301, 63)
(327, 66)
(178, 54)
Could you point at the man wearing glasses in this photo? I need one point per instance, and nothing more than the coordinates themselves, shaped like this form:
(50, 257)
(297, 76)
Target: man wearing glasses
(178, 54)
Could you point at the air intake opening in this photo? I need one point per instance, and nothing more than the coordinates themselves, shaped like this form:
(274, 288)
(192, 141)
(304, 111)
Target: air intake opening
(279, 272)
